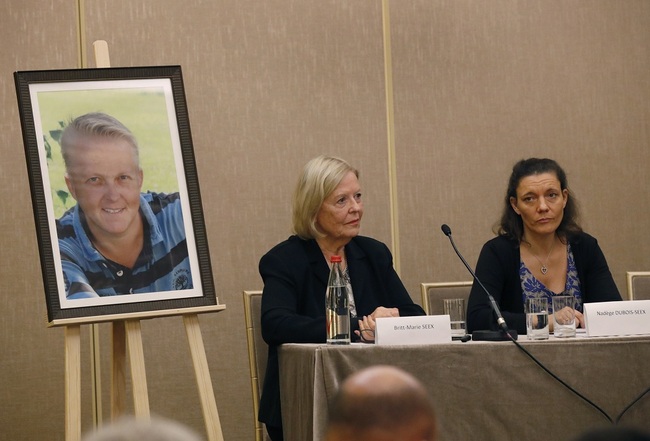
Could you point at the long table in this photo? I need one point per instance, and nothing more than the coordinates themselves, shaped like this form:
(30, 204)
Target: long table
(483, 390)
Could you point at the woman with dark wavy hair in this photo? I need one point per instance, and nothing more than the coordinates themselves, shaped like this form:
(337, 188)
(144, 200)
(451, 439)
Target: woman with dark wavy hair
(540, 249)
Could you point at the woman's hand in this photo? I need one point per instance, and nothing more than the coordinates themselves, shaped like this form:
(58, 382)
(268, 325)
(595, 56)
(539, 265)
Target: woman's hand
(384, 312)
(367, 324)
(564, 316)
(366, 330)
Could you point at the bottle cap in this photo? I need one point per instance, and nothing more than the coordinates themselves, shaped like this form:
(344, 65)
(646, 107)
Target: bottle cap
(335, 259)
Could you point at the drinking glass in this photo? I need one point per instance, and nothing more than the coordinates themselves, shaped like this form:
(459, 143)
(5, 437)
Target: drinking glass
(564, 317)
(536, 309)
(455, 309)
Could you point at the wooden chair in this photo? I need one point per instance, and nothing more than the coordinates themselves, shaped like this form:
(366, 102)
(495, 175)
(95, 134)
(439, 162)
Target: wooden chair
(257, 353)
(434, 293)
(638, 285)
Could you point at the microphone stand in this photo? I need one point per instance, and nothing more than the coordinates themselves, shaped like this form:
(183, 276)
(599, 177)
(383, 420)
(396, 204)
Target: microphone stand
(503, 334)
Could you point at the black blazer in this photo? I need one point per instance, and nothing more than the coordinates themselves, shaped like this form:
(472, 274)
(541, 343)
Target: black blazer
(498, 269)
(295, 275)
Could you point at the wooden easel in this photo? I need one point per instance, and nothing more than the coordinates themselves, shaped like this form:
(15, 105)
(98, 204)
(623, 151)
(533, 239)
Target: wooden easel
(127, 337)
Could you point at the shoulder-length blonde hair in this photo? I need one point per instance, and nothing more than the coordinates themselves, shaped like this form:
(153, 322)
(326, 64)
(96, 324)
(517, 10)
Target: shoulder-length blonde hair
(319, 179)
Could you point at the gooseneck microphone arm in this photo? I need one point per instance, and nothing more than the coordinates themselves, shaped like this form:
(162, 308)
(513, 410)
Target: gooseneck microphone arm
(502, 324)
(500, 320)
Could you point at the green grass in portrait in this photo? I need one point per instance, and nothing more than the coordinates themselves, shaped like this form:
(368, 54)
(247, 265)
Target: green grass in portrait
(142, 110)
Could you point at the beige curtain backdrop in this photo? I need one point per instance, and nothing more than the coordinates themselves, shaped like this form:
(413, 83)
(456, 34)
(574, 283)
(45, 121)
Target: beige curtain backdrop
(474, 87)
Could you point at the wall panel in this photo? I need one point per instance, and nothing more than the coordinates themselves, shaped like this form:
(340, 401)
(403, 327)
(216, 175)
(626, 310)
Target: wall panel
(35, 35)
(269, 85)
(480, 85)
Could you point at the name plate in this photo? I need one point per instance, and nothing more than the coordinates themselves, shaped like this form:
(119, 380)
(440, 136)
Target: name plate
(631, 317)
(418, 330)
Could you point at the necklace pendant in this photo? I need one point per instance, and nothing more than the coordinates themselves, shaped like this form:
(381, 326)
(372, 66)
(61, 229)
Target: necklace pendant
(544, 269)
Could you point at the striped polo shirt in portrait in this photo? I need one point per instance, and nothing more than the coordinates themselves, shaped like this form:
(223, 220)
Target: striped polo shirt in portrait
(163, 264)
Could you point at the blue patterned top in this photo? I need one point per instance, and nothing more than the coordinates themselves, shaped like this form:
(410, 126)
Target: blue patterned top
(532, 287)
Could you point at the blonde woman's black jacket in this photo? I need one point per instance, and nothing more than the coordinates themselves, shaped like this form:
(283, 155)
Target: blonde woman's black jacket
(295, 275)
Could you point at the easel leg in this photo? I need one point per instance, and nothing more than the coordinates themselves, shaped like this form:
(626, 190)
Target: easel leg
(118, 371)
(96, 374)
(73, 383)
(203, 381)
(138, 375)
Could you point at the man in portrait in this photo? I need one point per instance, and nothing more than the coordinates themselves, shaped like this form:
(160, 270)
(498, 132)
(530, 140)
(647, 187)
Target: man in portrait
(116, 239)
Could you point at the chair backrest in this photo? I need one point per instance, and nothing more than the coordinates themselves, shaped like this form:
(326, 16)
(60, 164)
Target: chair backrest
(638, 285)
(434, 293)
(257, 353)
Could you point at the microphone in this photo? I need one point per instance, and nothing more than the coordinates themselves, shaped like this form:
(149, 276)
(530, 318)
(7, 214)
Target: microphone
(511, 334)
(505, 333)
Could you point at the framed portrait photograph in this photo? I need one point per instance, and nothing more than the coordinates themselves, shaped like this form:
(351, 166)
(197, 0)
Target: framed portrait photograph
(115, 193)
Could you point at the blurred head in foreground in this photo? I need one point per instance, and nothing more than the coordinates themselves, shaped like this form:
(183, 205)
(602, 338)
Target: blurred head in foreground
(131, 429)
(382, 403)
(614, 434)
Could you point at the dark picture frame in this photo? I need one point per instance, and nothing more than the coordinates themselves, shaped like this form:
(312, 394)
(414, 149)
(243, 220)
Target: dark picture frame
(153, 100)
